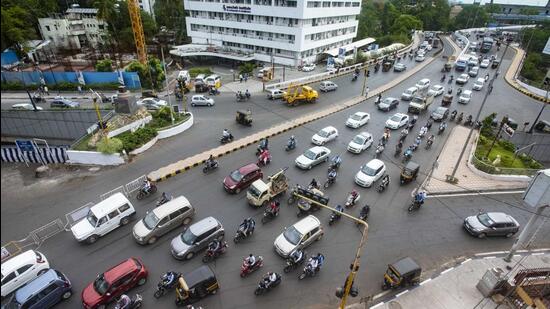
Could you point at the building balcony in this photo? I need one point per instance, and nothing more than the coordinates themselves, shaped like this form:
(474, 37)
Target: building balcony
(78, 32)
(243, 24)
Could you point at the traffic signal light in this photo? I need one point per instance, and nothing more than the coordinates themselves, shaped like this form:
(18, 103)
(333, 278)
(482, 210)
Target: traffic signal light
(312, 196)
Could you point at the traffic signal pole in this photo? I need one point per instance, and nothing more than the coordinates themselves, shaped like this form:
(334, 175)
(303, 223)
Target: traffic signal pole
(355, 264)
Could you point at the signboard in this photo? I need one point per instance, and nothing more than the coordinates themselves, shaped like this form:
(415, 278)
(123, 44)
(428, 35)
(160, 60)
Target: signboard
(24, 145)
(546, 49)
(237, 8)
(538, 192)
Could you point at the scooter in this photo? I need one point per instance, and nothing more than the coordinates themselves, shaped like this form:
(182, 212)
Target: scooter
(163, 287)
(211, 255)
(291, 265)
(379, 150)
(225, 140)
(241, 236)
(415, 205)
(263, 288)
(383, 184)
(135, 302)
(453, 115)
(334, 216)
(290, 146)
(209, 167)
(143, 194)
(350, 202)
(307, 272)
(245, 270)
(269, 215)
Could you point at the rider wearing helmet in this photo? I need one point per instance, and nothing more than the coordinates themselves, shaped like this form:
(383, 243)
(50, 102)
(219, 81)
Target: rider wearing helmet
(419, 197)
(297, 255)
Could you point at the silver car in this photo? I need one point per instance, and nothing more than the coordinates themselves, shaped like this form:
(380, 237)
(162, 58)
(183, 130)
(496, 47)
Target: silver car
(491, 224)
(202, 100)
(196, 238)
(312, 157)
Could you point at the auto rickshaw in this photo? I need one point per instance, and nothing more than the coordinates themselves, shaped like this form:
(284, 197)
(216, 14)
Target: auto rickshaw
(447, 67)
(196, 285)
(386, 66)
(244, 117)
(402, 273)
(447, 99)
(495, 63)
(409, 172)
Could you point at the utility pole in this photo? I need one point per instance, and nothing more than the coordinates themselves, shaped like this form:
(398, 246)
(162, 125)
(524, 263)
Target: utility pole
(547, 84)
(502, 123)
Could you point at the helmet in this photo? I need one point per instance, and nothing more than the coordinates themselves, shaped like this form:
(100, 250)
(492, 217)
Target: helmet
(250, 255)
(292, 137)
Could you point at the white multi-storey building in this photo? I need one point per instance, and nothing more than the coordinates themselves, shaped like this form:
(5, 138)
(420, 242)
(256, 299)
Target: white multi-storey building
(287, 32)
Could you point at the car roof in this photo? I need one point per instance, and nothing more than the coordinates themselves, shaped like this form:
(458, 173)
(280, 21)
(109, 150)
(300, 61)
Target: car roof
(467, 91)
(27, 257)
(170, 206)
(317, 149)
(248, 168)
(424, 80)
(365, 134)
(412, 88)
(36, 285)
(361, 113)
(202, 226)
(121, 269)
(481, 79)
(107, 205)
(437, 86)
(500, 217)
(441, 108)
(329, 128)
(391, 99)
(399, 115)
(307, 224)
(375, 163)
(327, 82)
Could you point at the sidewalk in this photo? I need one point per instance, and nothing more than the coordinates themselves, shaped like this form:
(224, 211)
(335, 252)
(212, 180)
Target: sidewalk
(513, 71)
(468, 180)
(455, 288)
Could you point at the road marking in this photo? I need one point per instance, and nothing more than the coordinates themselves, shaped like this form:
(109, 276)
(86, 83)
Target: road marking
(380, 295)
(465, 261)
(377, 305)
(490, 253)
(402, 293)
(517, 255)
(435, 195)
(538, 250)
(522, 251)
(447, 270)
(489, 257)
(425, 281)
(538, 253)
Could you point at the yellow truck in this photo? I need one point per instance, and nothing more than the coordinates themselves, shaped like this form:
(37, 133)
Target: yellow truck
(297, 94)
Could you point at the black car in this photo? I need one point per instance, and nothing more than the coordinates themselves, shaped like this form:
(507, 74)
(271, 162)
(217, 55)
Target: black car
(440, 113)
(388, 104)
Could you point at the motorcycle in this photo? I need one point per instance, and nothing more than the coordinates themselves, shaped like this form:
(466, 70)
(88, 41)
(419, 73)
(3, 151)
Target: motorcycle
(211, 255)
(450, 80)
(307, 272)
(330, 181)
(245, 270)
(290, 145)
(213, 91)
(453, 115)
(135, 302)
(441, 129)
(354, 77)
(383, 184)
(241, 236)
(304, 207)
(350, 202)
(163, 287)
(459, 91)
(263, 288)
(429, 144)
(143, 193)
(364, 214)
(209, 167)
(443, 78)
(469, 121)
(269, 215)
(291, 265)
(226, 139)
(260, 148)
(292, 199)
(415, 205)
(334, 216)
(379, 150)
(164, 200)
(333, 166)
(460, 117)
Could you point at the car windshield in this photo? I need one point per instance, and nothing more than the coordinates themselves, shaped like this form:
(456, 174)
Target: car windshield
(395, 118)
(356, 117)
(323, 133)
(359, 139)
(485, 220)
(101, 285)
(367, 170)
(91, 218)
(150, 220)
(408, 92)
(386, 102)
(440, 111)
(254, 191)
(188, 237)
(236, 176)
(310, 154)
(292, 235)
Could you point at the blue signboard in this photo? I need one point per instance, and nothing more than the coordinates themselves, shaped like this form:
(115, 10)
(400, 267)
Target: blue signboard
(24, 145)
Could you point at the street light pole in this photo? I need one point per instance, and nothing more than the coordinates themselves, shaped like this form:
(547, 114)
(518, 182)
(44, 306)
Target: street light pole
(167, 84)
(541, 110)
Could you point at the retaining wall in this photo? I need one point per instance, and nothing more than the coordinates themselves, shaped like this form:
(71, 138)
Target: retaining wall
(93, 158)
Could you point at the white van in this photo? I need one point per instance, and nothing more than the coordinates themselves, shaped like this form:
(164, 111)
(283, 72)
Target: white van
(184, 75)
(21, 269)
(423, 84)
(478, 84)
(409, 93)
(214, 81)
(103, 217)
(200, 78)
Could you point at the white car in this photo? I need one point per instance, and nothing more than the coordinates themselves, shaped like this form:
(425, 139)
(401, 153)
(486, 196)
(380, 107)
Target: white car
(308, 67)
(436, 90)
(312, 157)
(327, 86)
(420, 58)
(370, 173)
(152, 103)
(429, 47)
(423, 84)
(21, 269)
(478, 84)
(203, 100)
(298, 236)
(25, 106)
(409, 93)
(465, 97)
(324, 136)
(360, 142)
(463, 79)
(397, 121)
(357, 120)
(485, 63)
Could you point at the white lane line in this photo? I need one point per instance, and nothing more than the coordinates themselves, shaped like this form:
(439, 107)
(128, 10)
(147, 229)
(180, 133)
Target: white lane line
(522, 251)
(490, 253)
(516, 255)
(538, 253)
(425, 281)
(447, 270)
(544, 249)
(404, 292)
(489, 257)
(377, 305)
(465, 261)
(473, 193)
(380, 295)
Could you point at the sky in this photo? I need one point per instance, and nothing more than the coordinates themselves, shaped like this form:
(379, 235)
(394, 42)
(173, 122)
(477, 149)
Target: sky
(524, 2)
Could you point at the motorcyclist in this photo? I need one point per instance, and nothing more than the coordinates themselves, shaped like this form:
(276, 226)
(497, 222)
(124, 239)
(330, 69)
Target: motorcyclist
(226, 134)
(264, 156)
(124, 301)
(296, 256)
(459, 91)
(210, 162)
(168, 278)
(146, 186)
(264, 143)
(164, 198)
(247, 94)
(379, 98)
(385, 180)
(431, 139)
(364, 211)
(443, 126)
(340, 209)
(320, 260)
(408, 152)
(429, 124)
(380, 148)
(314, 184)
(313, 263)
(404, 132)
(453, 114)
(419, 197)
(354, 195)
(250, 260)
(269, 279)
(239, 95)
(450, 90)
(274, 207)
(415, 118)
(336, 161)
(292, 142)
(443, 77)
(215, 245)
(247, 226)
(423, 131)
(332, 174)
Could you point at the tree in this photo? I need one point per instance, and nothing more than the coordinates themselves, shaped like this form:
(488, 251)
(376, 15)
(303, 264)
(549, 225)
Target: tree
(369, 20)
(104, 66)
(151, 76)
(404, 24)
(528, 11)
(16, 27)
(171, 13)
(471, 16)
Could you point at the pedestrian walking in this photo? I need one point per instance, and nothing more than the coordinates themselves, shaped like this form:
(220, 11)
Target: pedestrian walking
(487, 77)
(46, 90)
(245, 77)
(367, 91)
(490, 88)
(240, 78)
(79, 89)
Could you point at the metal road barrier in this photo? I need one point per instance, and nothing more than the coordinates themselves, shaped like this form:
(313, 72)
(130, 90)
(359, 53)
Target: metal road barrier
(120, 189)
(15, 247)
(135, 184)
(34, 239)
(76, 215)
(46, 231)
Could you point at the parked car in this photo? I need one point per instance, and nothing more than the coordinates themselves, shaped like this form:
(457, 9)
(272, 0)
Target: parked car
(152, 103)
(397, 121)
(45, 291)
(21, 269)
(463, 79)
(26, 106)
(308, 67)
(478, 84)
(388, 104)
(298, 236)
(114, 282)
(436, 90)
(273, 94)
(465, 97)
(370, 173)
(64, 103)
(196, 238)
(423, 84)
(103, 217)
(203, 100)
(327, 86)
(491, 224)
(440, 113)
(408, 94)
(360, 142)
(312, 157)
(473, 71)
(241, 178)
(324, 136)
(485, 63)
(399, 67)
(357, 120)
(162, 219)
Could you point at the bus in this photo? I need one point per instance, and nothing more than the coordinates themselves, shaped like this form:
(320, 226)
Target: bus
(487, 44)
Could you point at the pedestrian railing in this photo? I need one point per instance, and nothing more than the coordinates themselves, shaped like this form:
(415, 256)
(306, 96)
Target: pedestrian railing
(135, 184)
(120, 189)
(488, 168)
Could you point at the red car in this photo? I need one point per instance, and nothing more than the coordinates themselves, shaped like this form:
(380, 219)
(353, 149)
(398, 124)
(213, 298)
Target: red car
(113, 283)
(242, 178)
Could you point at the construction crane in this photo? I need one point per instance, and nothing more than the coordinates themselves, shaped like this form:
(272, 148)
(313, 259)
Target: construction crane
(137, 28)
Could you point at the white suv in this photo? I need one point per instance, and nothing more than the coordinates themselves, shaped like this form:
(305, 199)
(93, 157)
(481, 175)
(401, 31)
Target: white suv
(21, 269)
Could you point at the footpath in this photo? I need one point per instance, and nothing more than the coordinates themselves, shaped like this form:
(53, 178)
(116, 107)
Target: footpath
(455, 287)
(513, 72)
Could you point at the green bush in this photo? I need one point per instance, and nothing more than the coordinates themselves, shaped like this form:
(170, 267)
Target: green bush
(507, 145)
(131, 141)
(196, 71)
(246, 67)
(104, 65)
(14, 86)
(109, 145)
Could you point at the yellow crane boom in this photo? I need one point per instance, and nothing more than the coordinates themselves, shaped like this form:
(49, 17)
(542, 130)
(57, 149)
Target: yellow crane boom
(137, 28)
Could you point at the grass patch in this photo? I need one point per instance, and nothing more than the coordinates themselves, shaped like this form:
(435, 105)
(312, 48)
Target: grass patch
(503, 149)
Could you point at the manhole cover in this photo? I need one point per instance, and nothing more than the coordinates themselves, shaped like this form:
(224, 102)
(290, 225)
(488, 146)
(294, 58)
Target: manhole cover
(394, 305)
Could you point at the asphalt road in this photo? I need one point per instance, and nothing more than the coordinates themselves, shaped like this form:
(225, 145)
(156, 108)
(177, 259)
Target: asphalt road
(433, 236)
